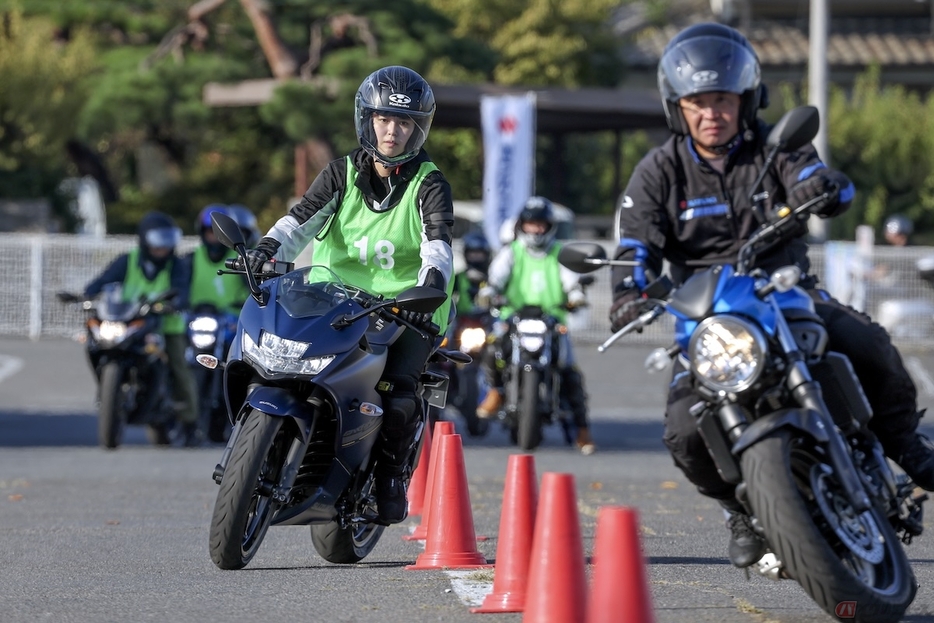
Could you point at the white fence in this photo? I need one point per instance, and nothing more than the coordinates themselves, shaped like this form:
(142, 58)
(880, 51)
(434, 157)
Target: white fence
(887, 285)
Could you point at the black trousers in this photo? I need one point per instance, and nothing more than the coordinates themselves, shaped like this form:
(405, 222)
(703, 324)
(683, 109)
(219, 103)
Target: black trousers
(405, 362)
(876, 361)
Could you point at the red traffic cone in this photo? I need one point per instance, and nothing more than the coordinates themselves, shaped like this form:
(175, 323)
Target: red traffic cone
(451, 542)
(557, 589)
(420, 477)
(442, 428)
(516, 527)
(619, 592)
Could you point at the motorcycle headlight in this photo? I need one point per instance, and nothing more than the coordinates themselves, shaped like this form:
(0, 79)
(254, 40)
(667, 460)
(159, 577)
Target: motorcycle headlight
(472, 339)
(279, 355)
(111, 331)
(531, 334)
(203, 331)
(727, 353)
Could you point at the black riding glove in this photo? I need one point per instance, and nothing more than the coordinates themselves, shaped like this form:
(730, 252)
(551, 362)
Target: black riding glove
(417, 319)
(824, 181)
(625, 309)
(263, 252)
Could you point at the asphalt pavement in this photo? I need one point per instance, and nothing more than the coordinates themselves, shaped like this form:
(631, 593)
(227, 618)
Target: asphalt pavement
(96, 535)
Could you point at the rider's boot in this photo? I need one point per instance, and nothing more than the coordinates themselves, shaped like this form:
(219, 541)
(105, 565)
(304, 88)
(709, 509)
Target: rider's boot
(915, 455)
(395, 448)
(491, 404)
(391, 501)
(746, 545)
(585, 443)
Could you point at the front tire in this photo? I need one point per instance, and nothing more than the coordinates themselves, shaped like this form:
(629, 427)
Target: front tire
(529, 426)
(345, 545)
(837, 556)
(244, 507)
(111, 417)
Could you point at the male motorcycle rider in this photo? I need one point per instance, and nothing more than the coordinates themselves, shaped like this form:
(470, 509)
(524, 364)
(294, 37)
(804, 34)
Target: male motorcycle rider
(382, 219)
(467, 283)
(527, 272)
(688, 202)
(151, 269)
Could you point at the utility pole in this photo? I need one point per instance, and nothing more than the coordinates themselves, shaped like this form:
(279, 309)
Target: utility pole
(817, 91)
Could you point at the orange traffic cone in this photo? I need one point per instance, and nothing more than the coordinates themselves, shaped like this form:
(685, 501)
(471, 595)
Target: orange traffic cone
(619, 592)
(451, 542)
(442, 428)
(420, 477)
(516, 526)
(557, 589)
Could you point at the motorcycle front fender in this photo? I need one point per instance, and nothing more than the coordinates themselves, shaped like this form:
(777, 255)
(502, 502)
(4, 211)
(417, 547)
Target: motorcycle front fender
(805, 420)
(279, 402)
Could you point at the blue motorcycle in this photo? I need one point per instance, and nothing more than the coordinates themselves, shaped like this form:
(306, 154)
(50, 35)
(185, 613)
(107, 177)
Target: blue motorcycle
(784, 418)
(300, 385)
(210, 332)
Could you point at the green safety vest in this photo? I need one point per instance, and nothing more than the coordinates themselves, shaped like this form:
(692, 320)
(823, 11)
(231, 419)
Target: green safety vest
(135, 285)
(226, 292)
(535, 281)
(378, 251)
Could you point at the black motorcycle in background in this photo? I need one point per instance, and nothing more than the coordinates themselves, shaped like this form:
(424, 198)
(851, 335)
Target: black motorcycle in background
(210, 332)
(126, 350)
(468, 334)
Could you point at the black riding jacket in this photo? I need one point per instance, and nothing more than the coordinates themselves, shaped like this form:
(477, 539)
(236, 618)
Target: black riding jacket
(678, 208)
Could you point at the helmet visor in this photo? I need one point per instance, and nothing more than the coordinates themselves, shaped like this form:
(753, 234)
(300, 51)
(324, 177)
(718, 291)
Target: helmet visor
(704, 65)
(163, 237)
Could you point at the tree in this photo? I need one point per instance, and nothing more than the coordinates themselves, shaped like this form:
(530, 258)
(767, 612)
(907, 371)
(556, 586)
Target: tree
(41, 97)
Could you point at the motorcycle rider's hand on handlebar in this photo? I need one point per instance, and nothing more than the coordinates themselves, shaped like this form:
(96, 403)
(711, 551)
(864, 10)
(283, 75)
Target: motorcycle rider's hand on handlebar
(419, 320)
(824, 181)
(626, 308)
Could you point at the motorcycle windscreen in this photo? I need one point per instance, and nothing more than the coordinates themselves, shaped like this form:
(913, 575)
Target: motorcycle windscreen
(310, 291)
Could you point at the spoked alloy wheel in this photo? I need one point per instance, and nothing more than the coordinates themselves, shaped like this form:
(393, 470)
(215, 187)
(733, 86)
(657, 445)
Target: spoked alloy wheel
(244, 508)
(837, 555)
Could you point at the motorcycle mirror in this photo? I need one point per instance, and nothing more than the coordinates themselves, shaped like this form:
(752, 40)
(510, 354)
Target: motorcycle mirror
(227, 230)
(421, 299)
(582, 257)
(796, 128)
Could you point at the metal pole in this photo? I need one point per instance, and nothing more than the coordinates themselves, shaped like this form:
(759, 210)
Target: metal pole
(817, 90)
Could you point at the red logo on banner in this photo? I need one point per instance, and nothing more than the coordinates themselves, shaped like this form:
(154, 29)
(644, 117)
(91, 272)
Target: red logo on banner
(845, 610)
(508, 124)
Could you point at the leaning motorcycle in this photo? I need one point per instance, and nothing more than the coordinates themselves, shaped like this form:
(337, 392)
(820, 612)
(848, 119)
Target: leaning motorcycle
(126, 350)
(785, 419)
(210, 332)
(301, 383)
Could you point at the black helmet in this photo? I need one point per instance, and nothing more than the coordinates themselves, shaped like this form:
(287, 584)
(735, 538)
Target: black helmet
(396, 91)
(158, 231)
(899, 225)
(537, 209)
(247, 222)
(477, 251)
(216, 250)
(710, 57)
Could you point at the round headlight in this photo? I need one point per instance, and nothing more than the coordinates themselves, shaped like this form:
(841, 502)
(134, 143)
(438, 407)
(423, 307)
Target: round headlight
(727, 353)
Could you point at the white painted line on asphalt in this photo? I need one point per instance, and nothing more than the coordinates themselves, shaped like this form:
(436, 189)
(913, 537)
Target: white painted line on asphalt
(471, 585)
(922, 378)
(9, 366)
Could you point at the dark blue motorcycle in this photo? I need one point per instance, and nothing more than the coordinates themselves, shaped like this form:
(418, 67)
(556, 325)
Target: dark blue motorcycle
(784, 418)
(300, 384)
(210, 332)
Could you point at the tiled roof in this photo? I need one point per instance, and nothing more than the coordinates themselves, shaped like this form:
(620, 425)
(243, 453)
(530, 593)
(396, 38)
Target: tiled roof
(853, 42)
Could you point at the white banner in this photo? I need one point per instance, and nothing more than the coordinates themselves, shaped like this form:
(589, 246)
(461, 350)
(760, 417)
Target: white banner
(509, 159)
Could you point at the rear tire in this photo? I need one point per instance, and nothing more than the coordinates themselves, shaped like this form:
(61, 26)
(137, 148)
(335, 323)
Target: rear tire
(345, 545)
(111, 418)
(780, 471)
(529, 425)
(243, 513)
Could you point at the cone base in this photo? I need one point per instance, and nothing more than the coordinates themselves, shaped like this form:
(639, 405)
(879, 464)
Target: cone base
(502, 602)
(466, 560)
(420, 534)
